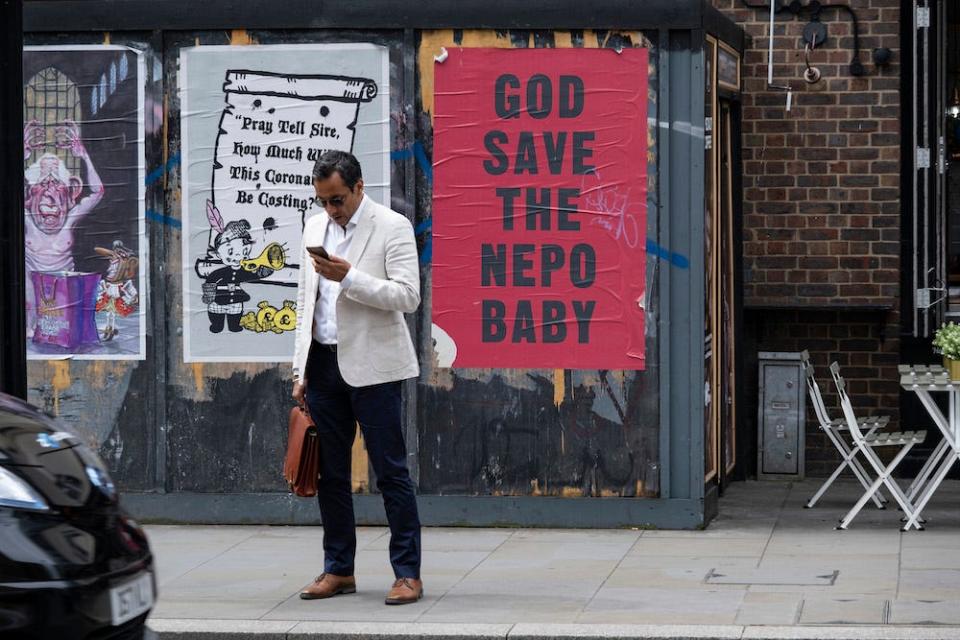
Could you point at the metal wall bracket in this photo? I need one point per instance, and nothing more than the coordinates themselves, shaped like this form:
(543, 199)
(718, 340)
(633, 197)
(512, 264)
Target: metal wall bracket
(925, 297)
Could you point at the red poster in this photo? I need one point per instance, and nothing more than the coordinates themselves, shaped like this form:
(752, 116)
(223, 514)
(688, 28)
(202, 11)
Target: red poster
(539, 208)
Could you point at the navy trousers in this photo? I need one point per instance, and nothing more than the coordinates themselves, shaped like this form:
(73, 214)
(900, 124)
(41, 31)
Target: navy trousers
(336, 408)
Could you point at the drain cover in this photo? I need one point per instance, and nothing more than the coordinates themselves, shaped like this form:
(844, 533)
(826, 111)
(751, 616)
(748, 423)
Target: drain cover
(786, 577)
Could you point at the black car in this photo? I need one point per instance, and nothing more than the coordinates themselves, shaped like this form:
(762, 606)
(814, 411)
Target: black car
(73, 565)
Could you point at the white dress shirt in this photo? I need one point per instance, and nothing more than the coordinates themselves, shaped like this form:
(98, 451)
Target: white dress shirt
(336, 242)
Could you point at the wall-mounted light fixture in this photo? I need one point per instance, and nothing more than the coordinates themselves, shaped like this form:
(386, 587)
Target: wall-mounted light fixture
(954, 109)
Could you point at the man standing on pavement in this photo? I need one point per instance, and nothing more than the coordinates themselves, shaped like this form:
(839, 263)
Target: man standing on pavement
(353, 350)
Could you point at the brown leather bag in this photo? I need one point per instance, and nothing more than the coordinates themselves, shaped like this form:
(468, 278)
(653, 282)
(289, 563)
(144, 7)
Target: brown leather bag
(301, 468)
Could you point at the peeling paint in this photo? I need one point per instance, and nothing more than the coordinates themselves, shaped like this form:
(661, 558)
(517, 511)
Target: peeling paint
(437, 376)
(60, 381)
(202, 374)
(563, 40)
(198, 377)
(240, 37)
(430, 45)
(559, 387)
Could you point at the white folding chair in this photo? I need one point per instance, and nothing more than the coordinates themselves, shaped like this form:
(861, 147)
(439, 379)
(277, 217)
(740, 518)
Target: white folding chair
(833, 429)
(905, 440)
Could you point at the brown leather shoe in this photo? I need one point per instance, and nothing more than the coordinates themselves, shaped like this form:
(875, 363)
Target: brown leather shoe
(327, 585)
(405, 591)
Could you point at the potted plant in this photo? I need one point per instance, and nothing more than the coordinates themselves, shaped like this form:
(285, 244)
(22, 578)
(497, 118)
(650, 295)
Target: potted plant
(947, 341)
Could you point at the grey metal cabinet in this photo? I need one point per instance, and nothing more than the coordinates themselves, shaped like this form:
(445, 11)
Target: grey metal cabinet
(782, 416)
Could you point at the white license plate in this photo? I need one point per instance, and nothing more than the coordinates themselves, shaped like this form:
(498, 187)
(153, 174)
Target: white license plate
(130, 599)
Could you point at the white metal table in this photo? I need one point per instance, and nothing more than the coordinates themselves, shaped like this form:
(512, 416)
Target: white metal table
(922, 380)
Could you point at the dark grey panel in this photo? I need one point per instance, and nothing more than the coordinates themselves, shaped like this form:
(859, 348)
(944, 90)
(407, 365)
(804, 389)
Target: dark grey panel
(450, 511)
(13, 370)
(79, 15)
(683, 180)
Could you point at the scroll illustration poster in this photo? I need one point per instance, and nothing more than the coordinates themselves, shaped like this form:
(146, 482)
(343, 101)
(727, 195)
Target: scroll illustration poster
(255, 119)
(83, 181)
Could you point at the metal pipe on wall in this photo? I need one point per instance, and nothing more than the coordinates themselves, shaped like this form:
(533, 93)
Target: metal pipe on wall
(770, 84)
(13, 358)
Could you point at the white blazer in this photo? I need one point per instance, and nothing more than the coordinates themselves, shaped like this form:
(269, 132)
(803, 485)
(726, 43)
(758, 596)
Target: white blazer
(374, 344)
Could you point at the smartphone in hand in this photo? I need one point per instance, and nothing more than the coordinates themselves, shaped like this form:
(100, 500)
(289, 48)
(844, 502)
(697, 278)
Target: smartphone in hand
(319, 252)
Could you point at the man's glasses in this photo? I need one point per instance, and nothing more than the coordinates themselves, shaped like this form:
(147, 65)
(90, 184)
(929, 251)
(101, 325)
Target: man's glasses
(336, 201)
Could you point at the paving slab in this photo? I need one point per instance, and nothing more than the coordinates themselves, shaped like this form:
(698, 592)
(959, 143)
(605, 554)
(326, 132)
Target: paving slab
(225, 608)
(376, 631)
(936, 555)
(460, 606)
(850, 610)
(178, 549)
(925, 612)
(697, 547)
(366, 606)
(624, 632)
(454, 539)
(763, 608)
(856, 574)
(636, 573)
(929, 584)
(652, 605)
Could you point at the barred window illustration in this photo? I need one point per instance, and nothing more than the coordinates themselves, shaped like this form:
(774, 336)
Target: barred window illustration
(50, 97)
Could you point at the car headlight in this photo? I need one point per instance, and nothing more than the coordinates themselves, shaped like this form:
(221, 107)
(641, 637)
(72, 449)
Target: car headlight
(15, 492)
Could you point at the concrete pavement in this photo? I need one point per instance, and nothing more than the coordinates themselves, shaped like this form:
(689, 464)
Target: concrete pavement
(765, 568)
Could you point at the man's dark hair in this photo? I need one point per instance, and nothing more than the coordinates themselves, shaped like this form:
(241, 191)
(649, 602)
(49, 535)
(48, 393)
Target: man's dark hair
(342, 162)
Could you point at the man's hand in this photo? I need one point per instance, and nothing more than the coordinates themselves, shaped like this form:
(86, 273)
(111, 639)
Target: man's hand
(335, 268)
(299, 393)
(68, 137)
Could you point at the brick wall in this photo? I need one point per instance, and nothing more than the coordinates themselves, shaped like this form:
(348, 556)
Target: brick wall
(822, 205)
(821, 182)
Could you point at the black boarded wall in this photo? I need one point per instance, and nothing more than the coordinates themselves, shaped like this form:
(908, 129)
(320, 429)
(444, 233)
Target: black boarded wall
(166, 426)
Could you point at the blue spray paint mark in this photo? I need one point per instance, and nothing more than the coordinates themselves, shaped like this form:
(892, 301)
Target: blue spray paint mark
(424, 227)
(415, 151)
(159, 217)
(427, 254)
(422, 160)
(663, 253)
(159, 172)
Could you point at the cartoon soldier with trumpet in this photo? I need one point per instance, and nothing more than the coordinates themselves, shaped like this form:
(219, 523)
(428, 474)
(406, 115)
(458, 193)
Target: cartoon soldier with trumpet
(222, 287)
